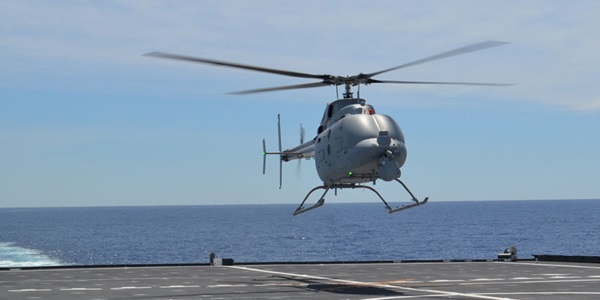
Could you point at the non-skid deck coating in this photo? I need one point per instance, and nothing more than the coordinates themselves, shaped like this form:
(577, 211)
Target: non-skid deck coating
(451, 280)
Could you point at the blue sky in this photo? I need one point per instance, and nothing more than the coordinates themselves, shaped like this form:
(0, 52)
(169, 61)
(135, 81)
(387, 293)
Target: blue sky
(86, 120)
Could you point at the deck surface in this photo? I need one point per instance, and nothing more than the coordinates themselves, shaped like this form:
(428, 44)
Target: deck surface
(439, 280)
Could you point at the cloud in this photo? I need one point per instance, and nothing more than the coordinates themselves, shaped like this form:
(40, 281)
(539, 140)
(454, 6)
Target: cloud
(552, 54)
(588, 106)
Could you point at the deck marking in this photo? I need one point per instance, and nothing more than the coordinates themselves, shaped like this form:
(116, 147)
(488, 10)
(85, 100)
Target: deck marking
(447, 280)
(424, 296)
(360, 283)
(130, 288)
(280, 284)
(29, 290)
(553, 265)
(486, 279)
(226, 285)
(544, 293)
(536, 281)
(81, 289)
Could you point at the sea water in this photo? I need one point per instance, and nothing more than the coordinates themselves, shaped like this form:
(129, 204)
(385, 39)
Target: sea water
(269, 233)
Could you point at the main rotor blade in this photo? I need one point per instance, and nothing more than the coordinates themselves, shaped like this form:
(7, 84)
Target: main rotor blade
(459, 51)
(439, 82)
(280, 88)
(235, 65)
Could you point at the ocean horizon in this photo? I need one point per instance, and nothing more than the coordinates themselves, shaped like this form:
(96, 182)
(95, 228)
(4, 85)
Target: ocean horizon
(117, 235)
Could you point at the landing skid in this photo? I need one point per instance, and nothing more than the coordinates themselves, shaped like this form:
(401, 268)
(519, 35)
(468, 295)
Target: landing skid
(321, 201)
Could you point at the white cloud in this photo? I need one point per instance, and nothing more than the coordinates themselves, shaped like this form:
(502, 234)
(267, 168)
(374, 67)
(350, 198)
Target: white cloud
(553, 50)
(588, 106)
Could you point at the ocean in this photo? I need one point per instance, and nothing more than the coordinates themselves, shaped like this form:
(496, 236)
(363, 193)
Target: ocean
(269, 233)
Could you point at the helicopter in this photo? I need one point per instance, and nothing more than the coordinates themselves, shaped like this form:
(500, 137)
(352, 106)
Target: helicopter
(354, 145)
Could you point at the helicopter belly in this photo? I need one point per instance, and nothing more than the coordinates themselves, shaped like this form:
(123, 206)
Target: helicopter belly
(360, 148)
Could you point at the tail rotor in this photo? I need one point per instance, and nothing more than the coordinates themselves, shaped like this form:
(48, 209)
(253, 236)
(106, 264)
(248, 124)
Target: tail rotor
(264, 156)
(299, 166)
(280, 153)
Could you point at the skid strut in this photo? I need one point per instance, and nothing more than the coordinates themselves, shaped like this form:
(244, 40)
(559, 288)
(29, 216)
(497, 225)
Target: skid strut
(321, 201)
(403, 207)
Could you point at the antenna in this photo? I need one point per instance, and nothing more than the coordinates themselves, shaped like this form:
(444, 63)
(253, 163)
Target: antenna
(348, 93)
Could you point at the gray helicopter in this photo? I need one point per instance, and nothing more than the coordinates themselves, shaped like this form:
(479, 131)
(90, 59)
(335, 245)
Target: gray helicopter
(354, 145)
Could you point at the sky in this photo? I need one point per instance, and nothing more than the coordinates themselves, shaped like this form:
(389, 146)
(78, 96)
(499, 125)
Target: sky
(87, 120)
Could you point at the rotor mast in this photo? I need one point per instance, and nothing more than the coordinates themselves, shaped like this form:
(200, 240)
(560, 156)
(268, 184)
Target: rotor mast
(348, 94)
(350, 81)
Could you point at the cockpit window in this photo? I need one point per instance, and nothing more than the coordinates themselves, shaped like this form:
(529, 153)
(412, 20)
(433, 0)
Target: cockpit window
(339, 108)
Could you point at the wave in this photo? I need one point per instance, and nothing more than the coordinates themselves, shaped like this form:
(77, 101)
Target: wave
(12, 256)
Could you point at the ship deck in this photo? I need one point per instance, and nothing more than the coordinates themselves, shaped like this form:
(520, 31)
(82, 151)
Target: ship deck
(423, 280)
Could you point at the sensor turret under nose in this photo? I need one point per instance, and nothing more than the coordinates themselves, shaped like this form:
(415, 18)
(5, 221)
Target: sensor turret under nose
(388, 167)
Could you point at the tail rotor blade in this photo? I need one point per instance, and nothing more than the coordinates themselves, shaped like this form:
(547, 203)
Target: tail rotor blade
(280, 155)
(279, 130)
(280, 173)
(299, 166)
(264, 156)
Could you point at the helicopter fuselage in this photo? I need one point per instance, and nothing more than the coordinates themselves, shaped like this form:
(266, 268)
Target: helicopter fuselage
(354, 145)
(357, 145)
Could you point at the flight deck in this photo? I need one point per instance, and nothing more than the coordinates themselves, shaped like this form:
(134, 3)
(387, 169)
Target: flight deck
(422, 280)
